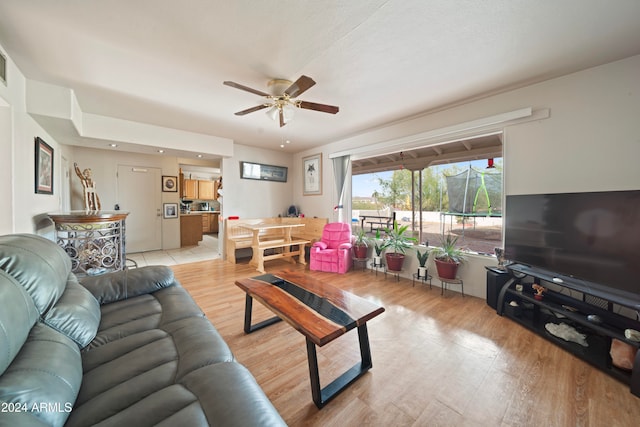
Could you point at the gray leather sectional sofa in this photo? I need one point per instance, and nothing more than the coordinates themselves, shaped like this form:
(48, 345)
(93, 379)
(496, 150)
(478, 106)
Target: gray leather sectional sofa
(129, 348)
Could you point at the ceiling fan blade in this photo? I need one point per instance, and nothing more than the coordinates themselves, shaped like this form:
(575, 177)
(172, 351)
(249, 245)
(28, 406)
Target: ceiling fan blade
(331, 109)
(282, 123)
(245, 88)
(251, 110)
(299, 86)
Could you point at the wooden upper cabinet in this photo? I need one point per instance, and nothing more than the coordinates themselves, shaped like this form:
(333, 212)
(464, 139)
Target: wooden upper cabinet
(205, 190)
(190, 189)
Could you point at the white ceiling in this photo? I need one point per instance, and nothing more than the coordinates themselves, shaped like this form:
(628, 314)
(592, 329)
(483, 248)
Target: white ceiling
(163, 62)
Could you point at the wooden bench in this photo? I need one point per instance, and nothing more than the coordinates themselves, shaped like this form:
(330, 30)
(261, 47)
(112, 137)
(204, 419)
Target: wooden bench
(236, 237)
(283, 249)
(381, 222)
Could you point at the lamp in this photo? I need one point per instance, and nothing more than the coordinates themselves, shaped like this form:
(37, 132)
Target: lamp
(284, 105)
(272, 113)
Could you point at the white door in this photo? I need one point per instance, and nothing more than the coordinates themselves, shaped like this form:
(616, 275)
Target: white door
(139, 194)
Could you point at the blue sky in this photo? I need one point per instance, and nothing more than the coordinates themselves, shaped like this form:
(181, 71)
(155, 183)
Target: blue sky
(365, 185)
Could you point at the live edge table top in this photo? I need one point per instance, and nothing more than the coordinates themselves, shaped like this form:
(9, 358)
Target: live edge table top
(319, 311)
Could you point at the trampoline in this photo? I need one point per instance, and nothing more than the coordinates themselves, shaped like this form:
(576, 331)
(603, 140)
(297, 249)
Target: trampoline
(473, 194)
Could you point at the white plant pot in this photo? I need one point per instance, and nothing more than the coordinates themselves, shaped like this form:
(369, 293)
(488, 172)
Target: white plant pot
(422, 271)
(376, 260)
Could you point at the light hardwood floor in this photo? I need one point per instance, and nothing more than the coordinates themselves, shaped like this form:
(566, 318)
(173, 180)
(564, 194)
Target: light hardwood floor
(437, 361)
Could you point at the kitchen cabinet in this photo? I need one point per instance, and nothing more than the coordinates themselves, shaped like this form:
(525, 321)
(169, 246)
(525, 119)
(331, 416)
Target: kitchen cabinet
(197, 189)
(205, 222)
(210, 222)
(189, 188)
(205, 190)
(190, 229)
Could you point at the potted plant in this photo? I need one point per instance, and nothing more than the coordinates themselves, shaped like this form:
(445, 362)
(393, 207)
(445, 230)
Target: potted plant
(361, 244)
(447, 257)
(378, 247)
(397, 241)
(422, 259)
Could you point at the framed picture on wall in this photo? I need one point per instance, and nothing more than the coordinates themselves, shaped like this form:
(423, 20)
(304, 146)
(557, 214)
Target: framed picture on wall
(170, 210)
(169, 184)
(312, 175)
(43, 167)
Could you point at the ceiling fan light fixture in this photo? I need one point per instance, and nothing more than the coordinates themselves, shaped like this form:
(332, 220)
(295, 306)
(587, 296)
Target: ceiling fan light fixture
(273, 112)
(288, 112)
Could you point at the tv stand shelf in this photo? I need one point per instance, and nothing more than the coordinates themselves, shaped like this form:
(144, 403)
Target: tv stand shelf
(558, 308)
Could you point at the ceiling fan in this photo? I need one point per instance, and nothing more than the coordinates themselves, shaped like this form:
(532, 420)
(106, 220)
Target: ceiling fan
(282, 102)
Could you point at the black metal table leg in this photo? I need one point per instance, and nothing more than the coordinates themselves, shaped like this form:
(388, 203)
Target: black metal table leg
(323, 395)
(248, 328)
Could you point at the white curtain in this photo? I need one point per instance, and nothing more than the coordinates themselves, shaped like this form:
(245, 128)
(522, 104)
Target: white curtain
(340, 170)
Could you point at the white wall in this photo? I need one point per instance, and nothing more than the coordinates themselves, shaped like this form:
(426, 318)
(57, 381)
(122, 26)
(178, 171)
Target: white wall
(248, 198)
(24, 210)
(104, 166)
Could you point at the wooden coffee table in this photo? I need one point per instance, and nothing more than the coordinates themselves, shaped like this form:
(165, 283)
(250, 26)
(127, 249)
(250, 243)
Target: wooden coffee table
(318, 311)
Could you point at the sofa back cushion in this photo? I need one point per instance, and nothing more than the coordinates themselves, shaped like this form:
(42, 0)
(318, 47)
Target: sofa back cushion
(41, 384)
(43, 269)
(17, 316)
(76, 314)
(38, 264)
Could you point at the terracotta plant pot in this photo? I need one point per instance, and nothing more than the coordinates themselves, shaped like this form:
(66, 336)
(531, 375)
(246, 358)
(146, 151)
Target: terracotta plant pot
(360, 251)
(446, 270)
(394, 261)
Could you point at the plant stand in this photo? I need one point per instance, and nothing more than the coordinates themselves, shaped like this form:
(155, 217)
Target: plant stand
(423, 279)
(456, 281)
(380, 266)
(394, 272)
(362, 261)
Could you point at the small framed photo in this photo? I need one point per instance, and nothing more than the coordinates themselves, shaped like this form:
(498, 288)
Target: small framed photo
(43, 167)
(170, 210)
(312, 175)
(169, 184)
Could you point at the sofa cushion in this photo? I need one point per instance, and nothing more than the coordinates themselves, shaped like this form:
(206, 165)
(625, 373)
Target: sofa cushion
(44, 378)
(17, 316)
(121, 285)
(144, 349)
(38, 264)
(76, 314)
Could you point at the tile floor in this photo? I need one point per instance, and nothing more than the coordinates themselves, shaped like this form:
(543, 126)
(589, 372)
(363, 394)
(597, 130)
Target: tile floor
(206, 249)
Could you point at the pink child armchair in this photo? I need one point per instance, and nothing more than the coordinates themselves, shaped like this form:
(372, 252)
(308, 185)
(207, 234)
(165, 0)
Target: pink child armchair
(333, 252)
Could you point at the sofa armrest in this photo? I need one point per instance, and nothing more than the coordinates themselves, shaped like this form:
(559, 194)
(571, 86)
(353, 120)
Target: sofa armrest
(345, 246)
(320, 245)
(120, 285)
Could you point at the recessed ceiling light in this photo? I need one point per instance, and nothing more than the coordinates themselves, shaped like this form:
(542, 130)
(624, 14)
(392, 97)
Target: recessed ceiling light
(160, 151)
(113, 145)
(199, 156)
(288, 142)
(281, 145)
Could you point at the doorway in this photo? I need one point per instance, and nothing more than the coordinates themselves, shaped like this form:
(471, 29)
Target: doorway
(139, 194)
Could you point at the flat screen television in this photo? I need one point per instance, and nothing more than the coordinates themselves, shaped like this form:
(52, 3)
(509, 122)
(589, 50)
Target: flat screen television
(592, 237)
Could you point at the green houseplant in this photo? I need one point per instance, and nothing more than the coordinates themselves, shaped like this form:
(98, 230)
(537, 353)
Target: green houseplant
(448, 257)
(378, 247)
(360, 244)
(397, 240)
(422, 260)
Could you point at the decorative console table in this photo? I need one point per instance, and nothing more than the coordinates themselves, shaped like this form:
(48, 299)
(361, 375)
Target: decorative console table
(94, 240)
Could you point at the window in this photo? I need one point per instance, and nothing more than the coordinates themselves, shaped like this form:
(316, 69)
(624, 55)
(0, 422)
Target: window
(463, 198)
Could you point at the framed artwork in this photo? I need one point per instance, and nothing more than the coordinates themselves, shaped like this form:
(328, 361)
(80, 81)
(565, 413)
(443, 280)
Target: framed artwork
(169, 184)
(170, 210)
(312, 175)
(249, 170)
(43, 167)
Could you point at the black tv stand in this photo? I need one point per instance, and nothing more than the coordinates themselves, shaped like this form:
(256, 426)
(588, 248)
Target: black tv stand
(556, 307)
